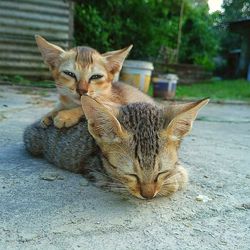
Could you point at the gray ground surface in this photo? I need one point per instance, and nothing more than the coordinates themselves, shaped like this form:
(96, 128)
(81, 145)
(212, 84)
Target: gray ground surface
(69, 213)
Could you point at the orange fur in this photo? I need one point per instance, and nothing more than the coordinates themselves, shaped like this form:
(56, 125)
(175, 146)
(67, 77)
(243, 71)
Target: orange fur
(84, 63)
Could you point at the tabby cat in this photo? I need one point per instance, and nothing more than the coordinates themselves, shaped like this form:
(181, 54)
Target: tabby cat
(83, 70)
(138, 145)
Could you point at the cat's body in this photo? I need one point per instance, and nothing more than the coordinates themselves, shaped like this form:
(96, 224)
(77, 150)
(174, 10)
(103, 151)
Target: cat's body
(121, 94)
(73, 148)
(83, 70)
(138, 145)
(138, 140)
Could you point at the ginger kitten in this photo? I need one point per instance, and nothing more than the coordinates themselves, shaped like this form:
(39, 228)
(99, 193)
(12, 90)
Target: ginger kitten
(83, 70)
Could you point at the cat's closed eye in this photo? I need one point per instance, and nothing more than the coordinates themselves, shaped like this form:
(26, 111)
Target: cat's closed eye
(71, 74)
(133, 176)
(161, 175)
(95, 77)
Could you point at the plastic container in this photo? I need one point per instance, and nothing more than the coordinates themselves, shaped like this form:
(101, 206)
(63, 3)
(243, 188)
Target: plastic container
(137, 73)
(165, 86)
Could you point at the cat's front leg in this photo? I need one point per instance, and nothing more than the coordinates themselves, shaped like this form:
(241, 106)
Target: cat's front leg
(48, 118)
(68, 118)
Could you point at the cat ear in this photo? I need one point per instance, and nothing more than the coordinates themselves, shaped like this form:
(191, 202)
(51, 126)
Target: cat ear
(184, 116)
(102, 123)
(49, 51)
(116, 58)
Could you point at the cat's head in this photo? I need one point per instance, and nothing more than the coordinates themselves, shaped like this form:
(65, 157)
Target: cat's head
(82, 69)
(139, 142)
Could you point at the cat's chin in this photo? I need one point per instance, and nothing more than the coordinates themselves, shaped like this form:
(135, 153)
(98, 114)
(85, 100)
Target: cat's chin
(75, 98)
(76, 101)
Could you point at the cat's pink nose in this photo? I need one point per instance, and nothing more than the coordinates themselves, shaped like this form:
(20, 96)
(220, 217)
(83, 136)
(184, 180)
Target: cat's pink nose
(82, 87)
(148, 191)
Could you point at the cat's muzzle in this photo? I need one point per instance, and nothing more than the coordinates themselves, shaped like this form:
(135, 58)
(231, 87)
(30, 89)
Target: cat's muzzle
(81, 91)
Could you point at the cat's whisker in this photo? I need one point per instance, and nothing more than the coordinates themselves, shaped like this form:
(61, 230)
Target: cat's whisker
(169, 180)
(116, 187)
(105, 175)
(165, 192)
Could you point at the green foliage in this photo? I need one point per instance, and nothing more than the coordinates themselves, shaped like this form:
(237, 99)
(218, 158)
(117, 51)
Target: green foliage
(199, 43)
(148, 24)
(107, 25)
(234, 10)
(216, 90)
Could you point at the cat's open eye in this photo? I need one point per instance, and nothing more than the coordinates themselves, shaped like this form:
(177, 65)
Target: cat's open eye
(71, 74)
(95, 77)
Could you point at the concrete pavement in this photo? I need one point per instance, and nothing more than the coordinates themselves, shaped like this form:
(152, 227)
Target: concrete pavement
(67, 212)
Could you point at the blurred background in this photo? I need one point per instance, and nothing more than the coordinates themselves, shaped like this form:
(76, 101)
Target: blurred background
(183, 49)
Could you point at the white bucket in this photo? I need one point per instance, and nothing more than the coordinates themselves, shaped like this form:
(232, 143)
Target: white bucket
(165, 86)
(137, 73)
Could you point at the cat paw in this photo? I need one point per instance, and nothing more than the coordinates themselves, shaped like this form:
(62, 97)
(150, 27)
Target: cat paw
(45, 121)
(65, 119)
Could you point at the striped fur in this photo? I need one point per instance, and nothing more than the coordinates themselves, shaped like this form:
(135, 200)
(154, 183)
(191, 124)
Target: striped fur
(144, 122)
(84, 55)
(138, 157)
(140, 144)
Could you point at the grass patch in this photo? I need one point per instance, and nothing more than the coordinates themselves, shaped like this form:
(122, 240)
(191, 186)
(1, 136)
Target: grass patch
(21, 81)
(216, 90)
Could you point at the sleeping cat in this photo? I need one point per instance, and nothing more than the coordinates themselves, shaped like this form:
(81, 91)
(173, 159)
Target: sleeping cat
(138, 145)
(83, 70)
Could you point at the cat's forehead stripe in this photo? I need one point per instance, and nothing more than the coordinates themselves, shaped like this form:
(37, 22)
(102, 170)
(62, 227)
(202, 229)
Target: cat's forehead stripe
(84, 55)
(144, 121)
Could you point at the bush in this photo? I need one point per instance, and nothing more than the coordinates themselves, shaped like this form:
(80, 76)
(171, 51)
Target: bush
(148, 24)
